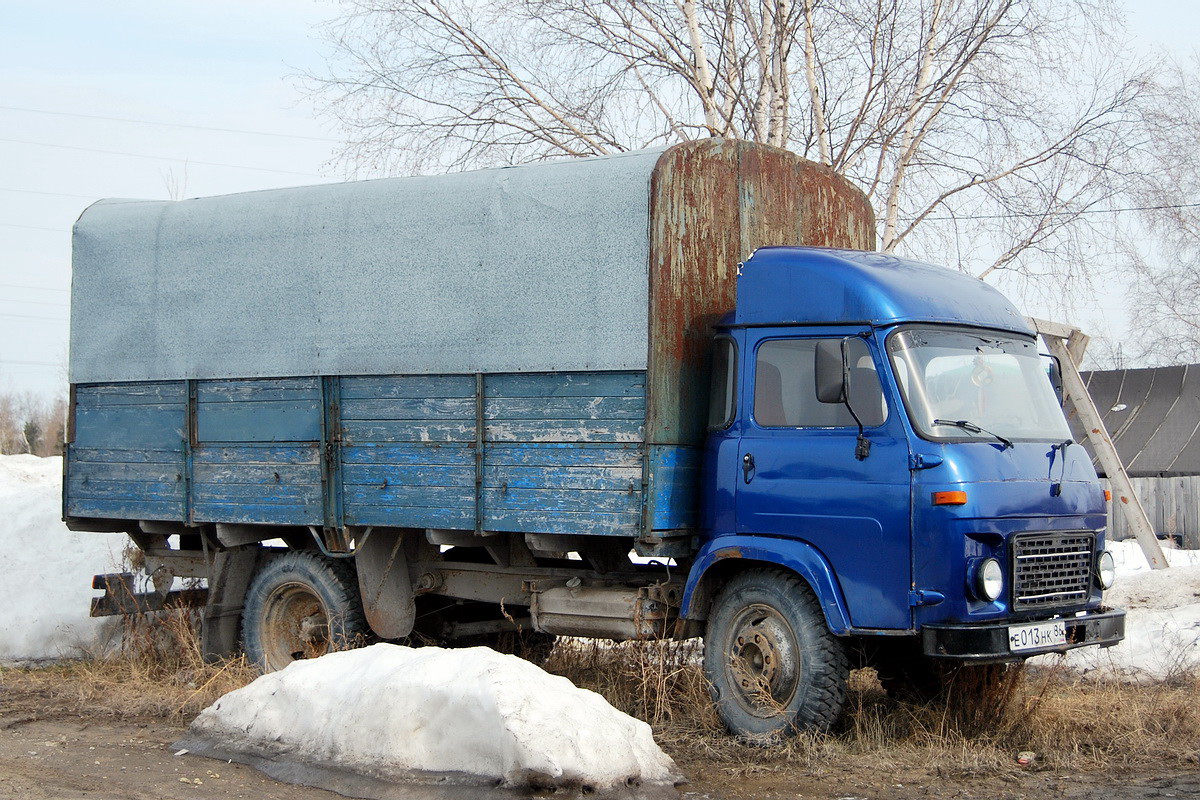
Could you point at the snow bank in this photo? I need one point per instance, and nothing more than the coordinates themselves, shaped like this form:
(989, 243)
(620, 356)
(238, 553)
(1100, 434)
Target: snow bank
(460, 715)
(1162, 629)
(46, 570)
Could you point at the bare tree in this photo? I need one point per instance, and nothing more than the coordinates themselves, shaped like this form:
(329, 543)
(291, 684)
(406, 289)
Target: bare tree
(1162, 249)
(31, 423)
(982, 130)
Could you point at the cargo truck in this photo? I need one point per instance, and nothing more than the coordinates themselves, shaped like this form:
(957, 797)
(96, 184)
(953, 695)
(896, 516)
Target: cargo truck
(667, 393)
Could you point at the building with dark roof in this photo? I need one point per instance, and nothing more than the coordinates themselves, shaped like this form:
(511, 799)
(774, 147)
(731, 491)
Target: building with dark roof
(1153, 416)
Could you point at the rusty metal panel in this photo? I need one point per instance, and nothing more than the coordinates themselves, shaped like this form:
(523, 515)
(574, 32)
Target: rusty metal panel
(712, 203)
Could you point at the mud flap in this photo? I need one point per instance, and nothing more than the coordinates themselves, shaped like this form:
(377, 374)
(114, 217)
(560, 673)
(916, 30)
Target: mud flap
(385, 585)
(220, 626)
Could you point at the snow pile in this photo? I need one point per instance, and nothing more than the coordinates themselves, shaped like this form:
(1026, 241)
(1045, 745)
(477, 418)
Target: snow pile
(399, 713)
(46, 570)
(1162, 629)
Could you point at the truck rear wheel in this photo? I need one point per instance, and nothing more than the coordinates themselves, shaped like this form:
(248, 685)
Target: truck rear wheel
(773, 665)
(301, 605)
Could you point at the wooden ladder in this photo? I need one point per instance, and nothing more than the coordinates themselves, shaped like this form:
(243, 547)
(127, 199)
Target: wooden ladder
(1067, 344)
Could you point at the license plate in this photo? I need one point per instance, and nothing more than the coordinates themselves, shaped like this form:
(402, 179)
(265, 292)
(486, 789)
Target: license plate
(1037, 635)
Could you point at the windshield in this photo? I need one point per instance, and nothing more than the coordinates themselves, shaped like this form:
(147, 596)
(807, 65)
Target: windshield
(995, 383)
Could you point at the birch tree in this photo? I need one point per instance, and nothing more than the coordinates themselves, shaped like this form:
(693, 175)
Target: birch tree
(1162, 246)
(983, 131)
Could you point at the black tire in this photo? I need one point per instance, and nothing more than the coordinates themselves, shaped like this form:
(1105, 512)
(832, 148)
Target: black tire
(533, 646)
(774, 667)
(911, 678)
(301, 605)
(917, 678)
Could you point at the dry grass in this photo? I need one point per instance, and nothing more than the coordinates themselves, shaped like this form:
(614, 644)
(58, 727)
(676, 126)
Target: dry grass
(1070, 722)
(158, 671)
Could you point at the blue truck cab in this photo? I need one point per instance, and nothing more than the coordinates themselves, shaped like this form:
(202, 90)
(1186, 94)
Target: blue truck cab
(934, 495)
(667, 393)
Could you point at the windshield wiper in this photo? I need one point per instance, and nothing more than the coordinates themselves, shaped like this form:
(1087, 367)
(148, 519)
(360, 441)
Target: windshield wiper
(967, 425)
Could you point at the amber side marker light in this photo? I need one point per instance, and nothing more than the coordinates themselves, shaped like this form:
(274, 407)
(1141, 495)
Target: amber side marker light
(949, 498)
(1107, 495)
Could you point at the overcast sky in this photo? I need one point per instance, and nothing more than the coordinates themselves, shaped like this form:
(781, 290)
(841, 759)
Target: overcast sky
(214, 64)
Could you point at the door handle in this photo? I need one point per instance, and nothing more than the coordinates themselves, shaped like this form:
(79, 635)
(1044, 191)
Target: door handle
(747, 467)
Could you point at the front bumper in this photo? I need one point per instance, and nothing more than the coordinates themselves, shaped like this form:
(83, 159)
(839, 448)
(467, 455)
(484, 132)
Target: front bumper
(989, 642)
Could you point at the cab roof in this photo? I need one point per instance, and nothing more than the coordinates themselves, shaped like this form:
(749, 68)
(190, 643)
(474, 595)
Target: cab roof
(813, 285)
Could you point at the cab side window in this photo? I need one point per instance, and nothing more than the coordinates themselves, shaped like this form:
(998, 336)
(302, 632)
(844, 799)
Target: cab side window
(785, 393)
(721, 398)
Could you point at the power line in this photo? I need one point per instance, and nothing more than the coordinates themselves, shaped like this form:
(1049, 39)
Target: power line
(170, 124)
(31, 363)
(1035, 214)
(35, 227)
(52, 194)
(37, 319)
(35, 288)
(33, 302)
(158, 158)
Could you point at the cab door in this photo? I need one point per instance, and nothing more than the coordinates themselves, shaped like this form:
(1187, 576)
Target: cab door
(800, 476)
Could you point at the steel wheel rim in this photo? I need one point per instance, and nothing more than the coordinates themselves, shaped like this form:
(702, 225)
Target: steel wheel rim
(762, 661)
(295, 625)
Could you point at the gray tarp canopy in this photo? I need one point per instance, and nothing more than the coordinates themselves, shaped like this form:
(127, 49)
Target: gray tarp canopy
(1153, 416)
(540, 267)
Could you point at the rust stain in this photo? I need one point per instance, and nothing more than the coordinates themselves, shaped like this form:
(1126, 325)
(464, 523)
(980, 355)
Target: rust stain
(713, 202)
(728, 552)
(1125, 500)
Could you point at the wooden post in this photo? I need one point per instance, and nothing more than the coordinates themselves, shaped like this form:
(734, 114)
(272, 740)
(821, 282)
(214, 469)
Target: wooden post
(1067, 344)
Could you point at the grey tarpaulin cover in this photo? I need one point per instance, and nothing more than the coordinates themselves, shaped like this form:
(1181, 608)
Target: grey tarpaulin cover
(1153, 416)
(540, 267)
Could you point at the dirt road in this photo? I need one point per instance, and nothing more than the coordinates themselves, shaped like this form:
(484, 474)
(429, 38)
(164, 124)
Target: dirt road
(50, 749)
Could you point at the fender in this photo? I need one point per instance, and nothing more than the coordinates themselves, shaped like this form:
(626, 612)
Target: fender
(799, 557)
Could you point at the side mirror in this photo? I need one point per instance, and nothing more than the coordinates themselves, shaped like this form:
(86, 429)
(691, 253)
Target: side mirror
(830, 365)
(1054, 372)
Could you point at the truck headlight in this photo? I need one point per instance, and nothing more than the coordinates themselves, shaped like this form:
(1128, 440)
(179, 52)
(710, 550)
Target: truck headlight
(1106, 570)
(989, 579)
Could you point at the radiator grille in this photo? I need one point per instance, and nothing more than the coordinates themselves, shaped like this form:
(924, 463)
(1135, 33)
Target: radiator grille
(1052, 569)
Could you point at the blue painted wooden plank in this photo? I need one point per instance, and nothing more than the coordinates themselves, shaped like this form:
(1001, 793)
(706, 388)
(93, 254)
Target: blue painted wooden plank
(565, 384)
(410, 453)
(107, 394)
(361, 431)
(258, 514)
(409, 408)
(85, 455)
(407, 475)
(409, 517)
(574, 454)
(257, 493)
(124, 509)
(557, 408)
(267, 421)
(601, 430)
(414, 496)
(617, 479)
(115, 471)
(574, 500)
(256, 454)
(624, 524)
(266, 474)
(415, 386)
(124, 490)
(258, 389)
(159, 427)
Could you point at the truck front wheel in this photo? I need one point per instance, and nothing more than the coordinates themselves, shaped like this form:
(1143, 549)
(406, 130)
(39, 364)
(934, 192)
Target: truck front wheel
(770, 659)
(301, 605)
